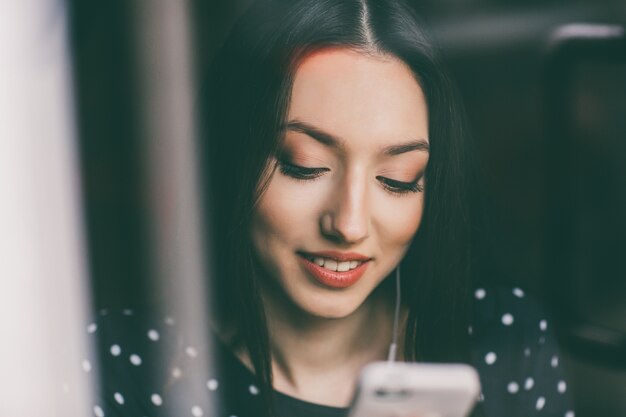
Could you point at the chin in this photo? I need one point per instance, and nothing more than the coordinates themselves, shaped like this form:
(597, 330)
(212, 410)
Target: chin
(330, 307)
(333, 315)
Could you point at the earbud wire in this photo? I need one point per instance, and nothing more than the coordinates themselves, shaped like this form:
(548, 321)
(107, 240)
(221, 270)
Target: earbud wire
(393, 347)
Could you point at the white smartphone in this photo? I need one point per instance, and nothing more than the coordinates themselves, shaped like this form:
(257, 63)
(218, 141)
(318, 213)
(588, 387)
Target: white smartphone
(399, 389)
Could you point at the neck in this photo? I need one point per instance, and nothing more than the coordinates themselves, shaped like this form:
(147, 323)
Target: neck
(318, 359)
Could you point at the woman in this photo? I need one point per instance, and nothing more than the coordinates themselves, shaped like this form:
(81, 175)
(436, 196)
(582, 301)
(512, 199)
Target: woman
(338, 158)
(344, 112)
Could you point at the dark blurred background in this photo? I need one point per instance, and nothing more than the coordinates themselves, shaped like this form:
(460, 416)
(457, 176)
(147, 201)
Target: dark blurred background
(548, 120)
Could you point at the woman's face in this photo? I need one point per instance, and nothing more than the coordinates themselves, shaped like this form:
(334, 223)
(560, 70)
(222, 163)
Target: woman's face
(343, 205)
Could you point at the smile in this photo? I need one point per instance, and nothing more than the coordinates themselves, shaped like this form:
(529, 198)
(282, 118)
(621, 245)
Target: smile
(336, 270)
(334, 265)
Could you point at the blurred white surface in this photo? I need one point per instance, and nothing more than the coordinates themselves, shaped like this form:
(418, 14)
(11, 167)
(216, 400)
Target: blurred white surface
(43, 285)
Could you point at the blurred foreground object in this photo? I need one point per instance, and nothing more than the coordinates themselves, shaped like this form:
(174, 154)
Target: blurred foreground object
(168, 137)
(43, 295)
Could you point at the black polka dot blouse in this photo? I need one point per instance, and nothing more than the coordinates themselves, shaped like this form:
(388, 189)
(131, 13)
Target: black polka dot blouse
(513, 349)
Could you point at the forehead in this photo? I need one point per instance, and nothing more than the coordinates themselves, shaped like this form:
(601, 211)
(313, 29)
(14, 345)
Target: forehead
(359, 97)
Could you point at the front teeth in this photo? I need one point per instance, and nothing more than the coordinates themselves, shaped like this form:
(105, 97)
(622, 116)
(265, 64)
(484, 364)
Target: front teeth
(334, 265)
(343, 266)
(330, 264)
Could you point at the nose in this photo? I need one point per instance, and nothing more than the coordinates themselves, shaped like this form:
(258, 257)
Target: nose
(347, 219)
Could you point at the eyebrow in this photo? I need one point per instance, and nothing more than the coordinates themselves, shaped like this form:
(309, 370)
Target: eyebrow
(334, 142)
(414, 145)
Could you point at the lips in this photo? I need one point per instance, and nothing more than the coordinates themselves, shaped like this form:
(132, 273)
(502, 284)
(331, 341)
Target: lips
(334, 269)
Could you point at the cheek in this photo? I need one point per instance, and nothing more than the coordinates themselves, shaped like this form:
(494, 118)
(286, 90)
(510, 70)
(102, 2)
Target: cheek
(286, 213)
(401, 219)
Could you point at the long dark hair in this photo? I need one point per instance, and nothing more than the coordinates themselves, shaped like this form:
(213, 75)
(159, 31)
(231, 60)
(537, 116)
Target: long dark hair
(246, 101)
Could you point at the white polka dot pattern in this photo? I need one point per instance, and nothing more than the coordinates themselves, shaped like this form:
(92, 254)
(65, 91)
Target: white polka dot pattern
(513, 387)
(541, 402)
(554, 362)
(98, 412)
(519, 363)
(137, 351)
(507, 319)
(156, 400)
(515, 371)
(153, 335)
(191, 352)
(115, 350)
(212, 384)
(119, 398)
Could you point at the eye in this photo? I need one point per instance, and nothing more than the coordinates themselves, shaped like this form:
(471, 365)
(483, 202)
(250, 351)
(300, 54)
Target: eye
(400, 187)
(299, 172)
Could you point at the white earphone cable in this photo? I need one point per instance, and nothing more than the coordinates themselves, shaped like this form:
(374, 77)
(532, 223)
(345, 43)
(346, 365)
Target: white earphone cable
(393, 348)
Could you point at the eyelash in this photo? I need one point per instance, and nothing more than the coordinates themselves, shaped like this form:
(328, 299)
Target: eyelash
(309, 174)
(300, 173)
(400, 187)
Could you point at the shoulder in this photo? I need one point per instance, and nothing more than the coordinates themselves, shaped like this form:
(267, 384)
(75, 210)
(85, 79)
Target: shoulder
(147, 367)
(498, 309)
(517, 354)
